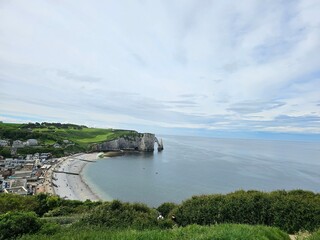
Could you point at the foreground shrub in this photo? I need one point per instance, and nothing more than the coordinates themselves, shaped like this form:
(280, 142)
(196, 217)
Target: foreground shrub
(49, 228)
(14, 224)
(166, 208)
(14, 202)
(60, 211)
(290, 211)
(124, 215)
(46, 203)
(293, 212)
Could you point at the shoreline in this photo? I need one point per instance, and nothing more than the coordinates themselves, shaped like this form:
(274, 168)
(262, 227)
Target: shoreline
(72, 186)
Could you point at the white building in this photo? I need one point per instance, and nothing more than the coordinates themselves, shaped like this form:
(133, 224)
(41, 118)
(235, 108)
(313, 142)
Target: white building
(32, 142)
(4, 143)
(17, 144)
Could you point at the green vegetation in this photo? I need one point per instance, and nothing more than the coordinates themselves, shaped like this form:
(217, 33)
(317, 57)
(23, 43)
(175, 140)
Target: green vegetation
(124, 215)
(166, 208)
(12, 202)
(43, 204)
(314, 236)
(5, 152)
(193, 232)
(290, 211)
(79, 138)
(14, 224)
(238, 215)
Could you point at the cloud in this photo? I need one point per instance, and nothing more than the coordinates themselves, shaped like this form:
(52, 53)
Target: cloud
(209, 65)
(71, 76)
(299, 121)
(254, 107)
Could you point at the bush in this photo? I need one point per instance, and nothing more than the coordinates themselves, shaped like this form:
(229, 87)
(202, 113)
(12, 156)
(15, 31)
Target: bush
(46, 203)
(49, 228)
(166, 208)
(60, 211)
(290, 211)
(250, 207)
(15, 224)
(202, 210)
(293, 212)
(5, 151)
(14, 202)
(119, 215)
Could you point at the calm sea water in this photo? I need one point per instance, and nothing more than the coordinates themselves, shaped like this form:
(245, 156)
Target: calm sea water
(193, 165)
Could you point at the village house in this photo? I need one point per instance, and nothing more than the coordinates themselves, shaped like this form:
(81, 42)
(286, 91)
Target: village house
(45, 156)
(56, 145)
(46, 167)
(17, 144)
(16, 190)
(4, 183)
(21, 175)
(28, 167)
(17, 186)
(10, 162)
(19, 182)
(4, 143)
(5, 173)
(31, 142)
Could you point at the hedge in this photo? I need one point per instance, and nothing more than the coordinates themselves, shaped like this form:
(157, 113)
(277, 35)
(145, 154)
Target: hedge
(291, 211)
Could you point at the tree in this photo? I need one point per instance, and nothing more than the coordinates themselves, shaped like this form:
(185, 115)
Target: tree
(15, 224)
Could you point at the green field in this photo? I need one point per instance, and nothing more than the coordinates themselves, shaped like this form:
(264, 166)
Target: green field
(84, 136)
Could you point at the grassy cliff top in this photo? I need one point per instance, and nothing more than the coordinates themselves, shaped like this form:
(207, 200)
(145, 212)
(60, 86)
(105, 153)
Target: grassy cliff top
(50, 133)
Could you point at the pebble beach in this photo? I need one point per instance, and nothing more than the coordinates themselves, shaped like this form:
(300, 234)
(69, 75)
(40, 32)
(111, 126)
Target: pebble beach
(72, 186)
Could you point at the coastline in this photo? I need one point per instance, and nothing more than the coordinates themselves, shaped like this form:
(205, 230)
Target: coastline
(72, 186)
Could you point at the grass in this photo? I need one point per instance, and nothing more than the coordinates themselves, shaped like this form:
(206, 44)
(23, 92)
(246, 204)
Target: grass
(192, 232)
(62, 220)
(314, 236)
(49, 142)
(86, 135)
(11, 125)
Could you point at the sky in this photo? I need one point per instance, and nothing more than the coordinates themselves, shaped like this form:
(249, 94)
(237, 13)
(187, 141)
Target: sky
(245, 68)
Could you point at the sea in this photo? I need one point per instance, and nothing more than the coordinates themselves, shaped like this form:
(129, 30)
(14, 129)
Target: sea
(191, 166)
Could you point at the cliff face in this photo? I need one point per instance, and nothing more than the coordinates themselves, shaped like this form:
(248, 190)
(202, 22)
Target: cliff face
(144, 142)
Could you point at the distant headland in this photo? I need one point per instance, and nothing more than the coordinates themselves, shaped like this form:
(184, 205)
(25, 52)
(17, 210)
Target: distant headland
(61, 139)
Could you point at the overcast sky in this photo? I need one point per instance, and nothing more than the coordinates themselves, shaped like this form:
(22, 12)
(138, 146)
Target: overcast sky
(163, 66)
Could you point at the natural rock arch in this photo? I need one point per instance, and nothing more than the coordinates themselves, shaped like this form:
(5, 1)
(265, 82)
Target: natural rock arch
(160, 144)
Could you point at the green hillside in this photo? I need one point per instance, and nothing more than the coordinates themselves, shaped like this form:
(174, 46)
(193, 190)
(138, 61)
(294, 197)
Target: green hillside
(70, 138)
